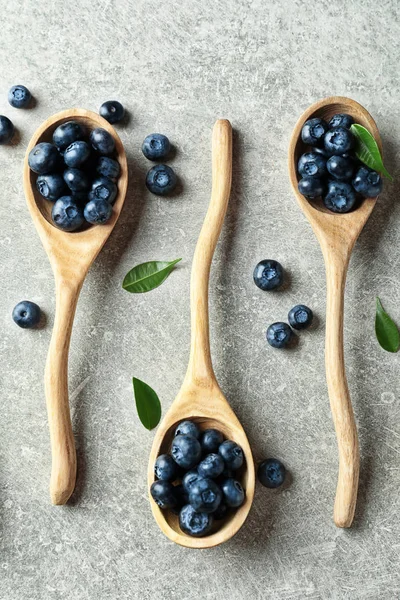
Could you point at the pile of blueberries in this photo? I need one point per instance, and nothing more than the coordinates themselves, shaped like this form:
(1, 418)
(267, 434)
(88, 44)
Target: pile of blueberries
(330, 168)
(197, 480)
(268, 275)
(160, 179)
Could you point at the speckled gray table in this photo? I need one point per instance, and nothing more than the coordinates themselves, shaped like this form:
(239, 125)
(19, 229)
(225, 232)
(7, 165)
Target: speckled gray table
(177, 66)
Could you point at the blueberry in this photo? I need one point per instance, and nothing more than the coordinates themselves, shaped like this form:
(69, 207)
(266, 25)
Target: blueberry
(311, 164)
(221, 512)
(189, 478)
(108, 167)
(300, 316)
(340, 167)
(279, 335)
(6, 130)
(232, 454)
(43, 158)
(211, 466)
(233, 493)
(156, 146)
(311, 187)
(340, 197)
(268, 274)
(188, 428)
(271, 473)
(341, 120)
(51, 186)
(67, 214)
(76, 154)
(102, 141)
(368, 183)
(104, 189)
(194, 523)
(161, 180)
(26, 314)
(321, 152)
(163, 494)
(338, 140)
(97, 211)
(313, 131)
(66, 133)
(186, 451)
(205, 495)
(19, 96)
(181, 496)
(112, 111)
(76, 179)
(210, 440)
(165, 468)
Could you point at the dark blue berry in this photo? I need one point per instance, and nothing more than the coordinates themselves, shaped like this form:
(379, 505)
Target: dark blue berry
(279, 335)
(340, 197)
(232, 454)
(311, 164)
(340, 167)
(189, 478)
(210, 440)
(102, 141)
(341, 120)
(26, 314)
(367, 182)
(97, 211)
(165, 468)
(311, 187)
(156, 146)
(313, 131)
(338, 140)
(221, 512)
(233, 493)
(43, 158)
(205, 495)
(6, 130)
(76, 154)
(186, 451)
(105, 189)
(161, 180)
(163, 494)
(19, 96)
(67, 214)
(211, 466)
(271, 473)
(268, 274)
(51, 186)
(300, 316)
(76, 179)
(188, 428)
(108, 167)
(112, 111)
(66, 133)
(195, 523)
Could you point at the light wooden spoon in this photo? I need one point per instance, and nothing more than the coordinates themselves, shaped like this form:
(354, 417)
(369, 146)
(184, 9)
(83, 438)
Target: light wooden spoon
(200, 398)
(70, 255)
(337, 234)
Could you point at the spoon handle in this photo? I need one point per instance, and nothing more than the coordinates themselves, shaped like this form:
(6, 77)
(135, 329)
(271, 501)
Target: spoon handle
(346, 431)
(200, 364)
(63, 470)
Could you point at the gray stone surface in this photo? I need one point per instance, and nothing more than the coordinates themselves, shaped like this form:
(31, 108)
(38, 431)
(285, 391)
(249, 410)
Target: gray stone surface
(177, 66)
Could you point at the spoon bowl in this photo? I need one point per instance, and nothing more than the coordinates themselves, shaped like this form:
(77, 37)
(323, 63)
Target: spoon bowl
(70, 255)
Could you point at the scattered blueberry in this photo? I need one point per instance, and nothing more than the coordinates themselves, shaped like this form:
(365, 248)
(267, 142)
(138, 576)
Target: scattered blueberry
(66, 133)
(271, 473)
(189, 478)
(338, 140)
(195, 523)
(105, 189)
(340, 167)
(279, 335)
(232, 454)
(233, 493)
(205, 495)
(313, 131)
(311, 164)
(108, 167)
(163, 494)
(341, 120)
(211, 466)
(367, 182)
(156, 146)
(26, 314)
(43, 158)
(19, 96)
(268, 275)
(51, 186)
(6, 130)
(102, 141)
(76, 154)
(300, 316)
(67, 214)
(76, 179)
(97, 211)
(311, 187)
(165, 468)
(161, 180)
(186, 451)
(188, 428)
(340, 197)
(210, 440)
(112, 111)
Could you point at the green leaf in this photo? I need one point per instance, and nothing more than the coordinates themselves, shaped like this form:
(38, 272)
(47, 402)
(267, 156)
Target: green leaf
(367, 150)
(147, 404)
(147, 276)
(386, 330)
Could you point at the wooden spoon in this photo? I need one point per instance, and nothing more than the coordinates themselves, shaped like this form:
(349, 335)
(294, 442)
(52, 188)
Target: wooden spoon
(70, 255)
(337, 234)
(200, 398)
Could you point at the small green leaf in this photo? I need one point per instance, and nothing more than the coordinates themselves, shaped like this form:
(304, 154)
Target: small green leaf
(147, 404)
(367, 150)
(147, 276)
(386, 330)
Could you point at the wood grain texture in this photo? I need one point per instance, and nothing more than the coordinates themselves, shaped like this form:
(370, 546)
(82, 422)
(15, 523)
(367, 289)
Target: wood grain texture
(70, 255)
(200, 398)
(337, 234)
